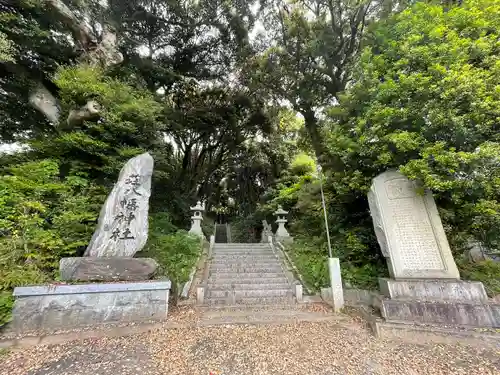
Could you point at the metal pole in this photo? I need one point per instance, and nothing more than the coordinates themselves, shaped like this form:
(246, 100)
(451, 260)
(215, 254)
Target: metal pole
(333, 263)
(324, 211)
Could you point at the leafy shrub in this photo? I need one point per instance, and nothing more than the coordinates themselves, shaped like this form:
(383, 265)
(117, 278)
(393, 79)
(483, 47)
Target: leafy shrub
(488, 272)
(303, 165)
(6, 304)
(311, 259)
(245, 229)
(208, 226)
(161, 224)
(176, 253)
(14, 271)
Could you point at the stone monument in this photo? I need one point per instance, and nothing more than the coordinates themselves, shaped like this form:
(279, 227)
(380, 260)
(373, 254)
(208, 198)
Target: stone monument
(266, 231)
(122, 230)
(424, 285)
(409, 229)
(196, 219)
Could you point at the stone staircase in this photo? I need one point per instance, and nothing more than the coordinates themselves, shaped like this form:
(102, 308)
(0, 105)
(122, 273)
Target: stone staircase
(221, 233)
(245, 283)
(247, 274)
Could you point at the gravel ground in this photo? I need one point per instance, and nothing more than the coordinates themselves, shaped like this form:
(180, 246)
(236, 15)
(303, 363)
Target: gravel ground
(324, 348)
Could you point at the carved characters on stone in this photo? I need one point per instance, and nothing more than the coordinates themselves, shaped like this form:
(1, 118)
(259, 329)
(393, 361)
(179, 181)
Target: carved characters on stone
(409, 229)
(122, 229)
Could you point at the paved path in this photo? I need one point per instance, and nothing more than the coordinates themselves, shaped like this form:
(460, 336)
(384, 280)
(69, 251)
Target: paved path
(321, 348)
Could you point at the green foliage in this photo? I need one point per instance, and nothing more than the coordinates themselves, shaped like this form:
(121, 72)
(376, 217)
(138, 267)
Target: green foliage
(176, 253)
(487, 272)
(245, 229)
(302, 165)
(127, 124)
(42, 218)
(208, 226)
(424, 101)
(6, 49)
(310, 256)
(6, 305)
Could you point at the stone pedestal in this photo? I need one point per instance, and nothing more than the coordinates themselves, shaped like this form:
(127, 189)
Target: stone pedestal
(196, 219)
(438, 290)
(56, 307)
(107, 269)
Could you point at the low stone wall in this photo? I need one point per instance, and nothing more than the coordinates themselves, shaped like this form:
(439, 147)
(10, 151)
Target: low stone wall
(354, 297)
(56, 307)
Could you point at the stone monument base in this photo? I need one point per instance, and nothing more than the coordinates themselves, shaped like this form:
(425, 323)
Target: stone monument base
(438, 302)
(54, 307)
(107, 269)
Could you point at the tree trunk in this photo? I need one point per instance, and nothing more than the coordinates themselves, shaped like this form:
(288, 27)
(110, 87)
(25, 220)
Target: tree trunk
(104, 52)
(312, 127)
(325, 159)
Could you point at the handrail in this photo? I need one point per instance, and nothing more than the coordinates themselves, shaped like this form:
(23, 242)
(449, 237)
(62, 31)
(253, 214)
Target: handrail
(281, 248)
(206, 269)
(228, 233)
(281, 263)
(186, 288)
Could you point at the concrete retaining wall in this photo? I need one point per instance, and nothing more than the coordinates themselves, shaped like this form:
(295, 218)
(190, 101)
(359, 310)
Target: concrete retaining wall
(57, 307)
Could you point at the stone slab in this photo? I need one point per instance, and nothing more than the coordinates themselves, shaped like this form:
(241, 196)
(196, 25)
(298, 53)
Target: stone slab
(24, 291)
(107, 269)
(51, 308)
(409, 229)
(122, 229)
(444, 290)
(439, 312)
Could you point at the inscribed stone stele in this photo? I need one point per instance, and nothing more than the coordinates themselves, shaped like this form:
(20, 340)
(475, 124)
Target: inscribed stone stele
(122, 229)
(409, 229)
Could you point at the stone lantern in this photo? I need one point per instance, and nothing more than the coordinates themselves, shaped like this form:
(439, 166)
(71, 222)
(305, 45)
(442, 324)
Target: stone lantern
(196, 219)
(281, 232)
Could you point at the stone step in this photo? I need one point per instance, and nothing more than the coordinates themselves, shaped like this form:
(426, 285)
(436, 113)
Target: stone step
(287, 292)
(248, 286)
(244, 258)
(248, 281)
(244, 275)
(243, 255)
(218, 301)
(239, 264)
(238, 269)
(239, 244)
(270, 316)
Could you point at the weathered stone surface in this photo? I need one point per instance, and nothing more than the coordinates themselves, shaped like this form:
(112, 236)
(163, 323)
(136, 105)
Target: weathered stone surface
(409, 229)
(436, 312)
(478, 253)
(107, 269)
(122, 229)
(267, 231)
(56, 307)
(445, 290)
